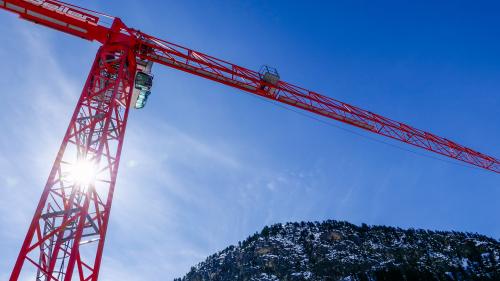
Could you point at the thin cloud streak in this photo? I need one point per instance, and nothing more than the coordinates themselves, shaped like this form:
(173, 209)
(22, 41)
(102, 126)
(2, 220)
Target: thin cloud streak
(38, 98)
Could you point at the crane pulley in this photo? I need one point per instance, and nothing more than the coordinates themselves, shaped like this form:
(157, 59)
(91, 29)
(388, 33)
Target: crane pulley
(66, 236)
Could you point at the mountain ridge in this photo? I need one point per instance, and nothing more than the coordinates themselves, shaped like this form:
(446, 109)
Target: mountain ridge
(337, 250)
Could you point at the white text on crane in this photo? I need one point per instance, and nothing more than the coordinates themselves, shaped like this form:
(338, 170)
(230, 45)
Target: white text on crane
(65, 10)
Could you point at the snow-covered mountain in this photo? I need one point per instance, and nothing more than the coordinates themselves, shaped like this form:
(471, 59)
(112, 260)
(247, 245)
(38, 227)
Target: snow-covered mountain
(334, 250)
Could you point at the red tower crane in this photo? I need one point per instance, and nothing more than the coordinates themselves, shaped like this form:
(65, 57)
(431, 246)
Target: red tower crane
(66, 237)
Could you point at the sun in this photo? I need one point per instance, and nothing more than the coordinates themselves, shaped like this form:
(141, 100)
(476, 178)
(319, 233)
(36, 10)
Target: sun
(83, 172)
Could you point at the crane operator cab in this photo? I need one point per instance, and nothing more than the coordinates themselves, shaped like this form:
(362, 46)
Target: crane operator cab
(143, 84)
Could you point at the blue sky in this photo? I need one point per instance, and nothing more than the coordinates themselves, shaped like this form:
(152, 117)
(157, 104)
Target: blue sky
(205, 165)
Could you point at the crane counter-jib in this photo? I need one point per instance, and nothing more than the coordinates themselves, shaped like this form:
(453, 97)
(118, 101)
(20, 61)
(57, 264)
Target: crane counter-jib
(62, 17)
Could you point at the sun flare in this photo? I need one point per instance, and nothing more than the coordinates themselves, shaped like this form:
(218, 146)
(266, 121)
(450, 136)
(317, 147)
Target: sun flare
(83, 172)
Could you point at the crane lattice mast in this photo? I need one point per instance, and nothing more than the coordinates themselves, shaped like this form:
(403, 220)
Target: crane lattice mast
(66, 237)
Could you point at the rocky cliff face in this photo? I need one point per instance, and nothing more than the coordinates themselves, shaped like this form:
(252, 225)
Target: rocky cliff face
(342, 251)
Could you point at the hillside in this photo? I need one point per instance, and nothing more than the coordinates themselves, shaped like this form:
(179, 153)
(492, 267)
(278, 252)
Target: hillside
(342, 251)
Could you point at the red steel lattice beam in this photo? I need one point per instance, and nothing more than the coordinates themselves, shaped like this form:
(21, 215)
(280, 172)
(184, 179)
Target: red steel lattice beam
(182, 58)
(72, 215)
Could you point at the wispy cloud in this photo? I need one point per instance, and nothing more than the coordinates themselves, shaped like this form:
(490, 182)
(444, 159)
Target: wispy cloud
(179, 197)
(36, 97)
(173, 189)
